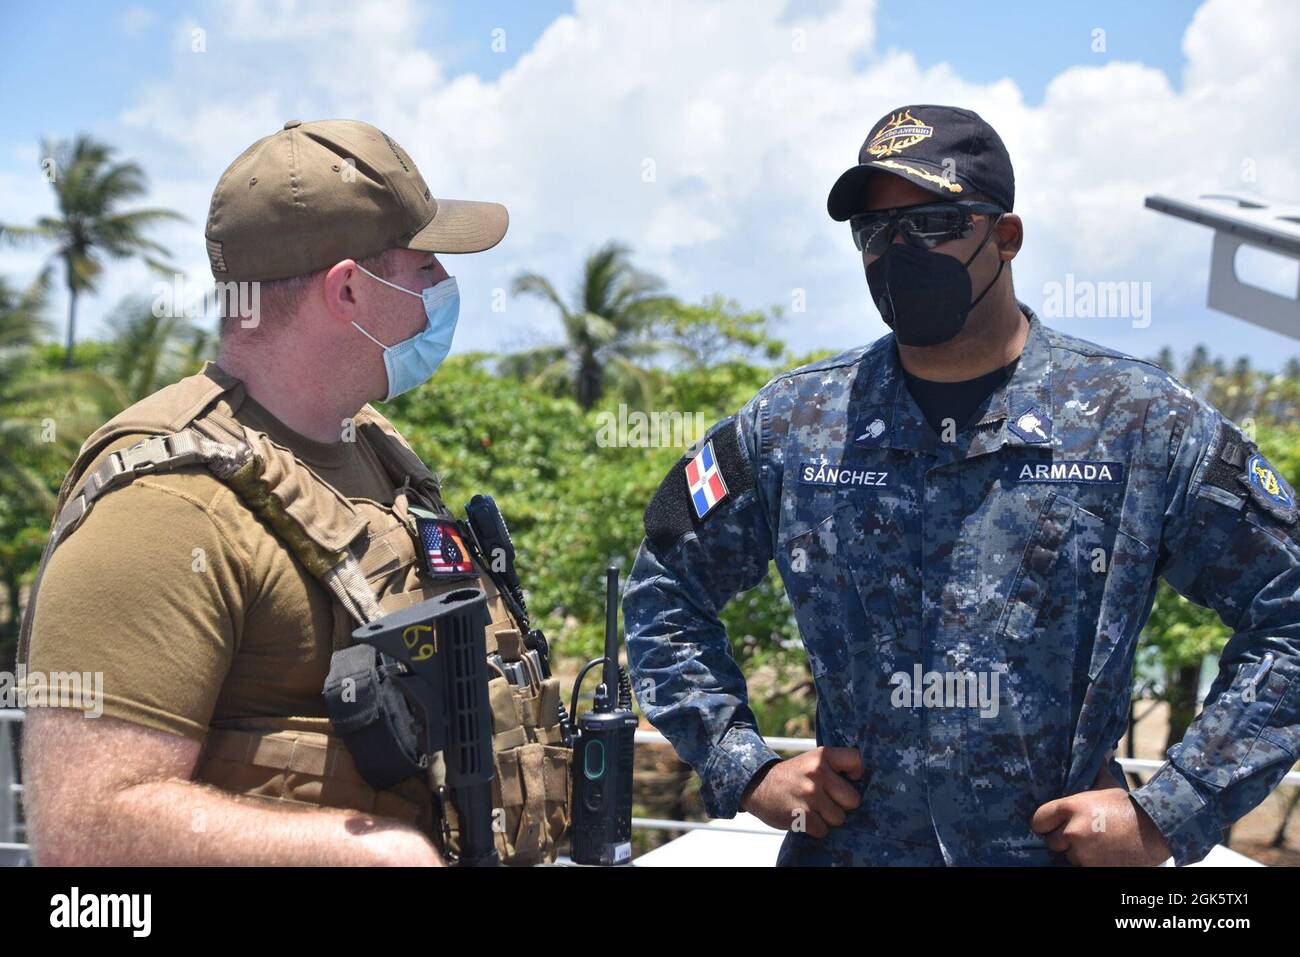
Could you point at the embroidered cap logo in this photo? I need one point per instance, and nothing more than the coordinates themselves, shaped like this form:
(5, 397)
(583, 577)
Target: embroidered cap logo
(902, 130)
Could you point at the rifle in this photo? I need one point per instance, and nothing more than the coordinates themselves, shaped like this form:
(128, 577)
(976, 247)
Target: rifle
(441, 643)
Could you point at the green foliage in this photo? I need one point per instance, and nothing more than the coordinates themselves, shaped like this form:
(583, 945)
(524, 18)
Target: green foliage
(33, 450)
(147, 351)
(1244, 394)
(1179, 634)
(605, 327)
(573, 506)
(550, 433)
(47, 411)
(718, 331)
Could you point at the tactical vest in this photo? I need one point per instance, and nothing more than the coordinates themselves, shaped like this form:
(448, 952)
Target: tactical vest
(366, 555)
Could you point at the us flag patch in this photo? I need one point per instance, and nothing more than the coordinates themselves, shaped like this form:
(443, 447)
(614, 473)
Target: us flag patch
(445, 554)
(704, 481)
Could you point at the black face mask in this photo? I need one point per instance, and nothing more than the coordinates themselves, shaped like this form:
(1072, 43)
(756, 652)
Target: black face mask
(922, 295)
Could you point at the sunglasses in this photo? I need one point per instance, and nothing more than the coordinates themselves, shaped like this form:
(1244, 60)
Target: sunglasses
(922, 226)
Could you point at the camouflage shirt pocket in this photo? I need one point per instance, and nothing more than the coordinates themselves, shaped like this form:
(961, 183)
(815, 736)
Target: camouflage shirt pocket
(1080, 579)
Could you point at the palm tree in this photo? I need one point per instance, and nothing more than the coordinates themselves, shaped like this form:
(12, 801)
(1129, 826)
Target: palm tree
(21, 325)
(72, 403)
(1165, 360)
(44, 415)
(148, 351)
(90, 188)
(608, 328)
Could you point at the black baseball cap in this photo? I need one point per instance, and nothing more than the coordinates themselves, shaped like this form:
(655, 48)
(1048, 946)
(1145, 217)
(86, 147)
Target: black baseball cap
(948, 151)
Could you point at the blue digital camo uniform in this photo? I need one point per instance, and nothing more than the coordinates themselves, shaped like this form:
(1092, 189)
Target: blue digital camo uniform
(1028, 549)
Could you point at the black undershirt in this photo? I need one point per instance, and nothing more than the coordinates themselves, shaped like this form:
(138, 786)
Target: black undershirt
(955, 400)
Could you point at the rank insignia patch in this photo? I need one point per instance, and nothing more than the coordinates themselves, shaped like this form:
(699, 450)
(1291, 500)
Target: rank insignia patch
(1269, 489)
(873, 431)
(1032, 426)
(445, 554)
(704, 481)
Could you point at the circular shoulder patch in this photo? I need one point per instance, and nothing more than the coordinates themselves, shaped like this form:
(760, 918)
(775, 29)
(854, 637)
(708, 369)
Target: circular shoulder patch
(1269, 488)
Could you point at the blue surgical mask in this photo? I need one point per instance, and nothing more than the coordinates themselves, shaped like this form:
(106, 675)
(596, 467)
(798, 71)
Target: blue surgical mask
(413, 361)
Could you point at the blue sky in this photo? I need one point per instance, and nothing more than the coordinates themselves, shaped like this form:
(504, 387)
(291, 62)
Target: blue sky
(1029, 42)
(1033, 42)
(745, 135)
(67, 64)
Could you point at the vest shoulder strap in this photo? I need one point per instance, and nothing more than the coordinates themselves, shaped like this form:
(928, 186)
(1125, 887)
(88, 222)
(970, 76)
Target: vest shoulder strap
(192, 422)
(168, 410)
(403, 465)
(157, 453)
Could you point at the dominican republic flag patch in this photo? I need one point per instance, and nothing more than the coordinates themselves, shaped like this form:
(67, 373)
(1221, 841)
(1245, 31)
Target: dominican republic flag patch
(445, 554)
(704, 481)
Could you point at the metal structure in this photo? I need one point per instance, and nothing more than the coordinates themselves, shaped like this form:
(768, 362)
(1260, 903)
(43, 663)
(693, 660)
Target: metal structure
(14, 850)
(1244, 219)
(13, 831)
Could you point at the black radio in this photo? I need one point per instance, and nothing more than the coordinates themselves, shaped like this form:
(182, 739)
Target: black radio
(601, 832)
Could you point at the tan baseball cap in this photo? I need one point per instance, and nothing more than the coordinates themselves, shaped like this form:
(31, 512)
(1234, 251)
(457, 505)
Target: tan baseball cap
(315, 193)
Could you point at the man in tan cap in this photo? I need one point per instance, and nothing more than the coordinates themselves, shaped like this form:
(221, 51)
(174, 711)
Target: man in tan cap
(232, 529)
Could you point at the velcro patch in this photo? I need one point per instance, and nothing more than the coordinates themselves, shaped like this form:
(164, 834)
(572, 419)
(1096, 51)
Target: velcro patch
(1032, 425)
(1238, 464)
(1088, 472)
(688, 497)
(1269, 489)
(704, 481)
(841, 476)
(445, 555)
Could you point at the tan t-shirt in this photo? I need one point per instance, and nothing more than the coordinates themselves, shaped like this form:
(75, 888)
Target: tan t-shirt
(188, 605)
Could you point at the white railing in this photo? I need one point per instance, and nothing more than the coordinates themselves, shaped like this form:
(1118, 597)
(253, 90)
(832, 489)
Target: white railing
(799, 745)
(14, 851)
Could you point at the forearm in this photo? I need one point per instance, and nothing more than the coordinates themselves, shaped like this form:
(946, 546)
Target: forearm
(1231, 757)
(690, 687)
(707, 540)
(179, 822)
(1232, 540)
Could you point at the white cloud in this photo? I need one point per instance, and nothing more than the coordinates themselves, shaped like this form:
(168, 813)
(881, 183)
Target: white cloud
(748, 111)
(134, 21)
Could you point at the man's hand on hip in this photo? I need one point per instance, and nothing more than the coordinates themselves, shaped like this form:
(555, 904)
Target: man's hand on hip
(806, 793)
(1101, 827)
